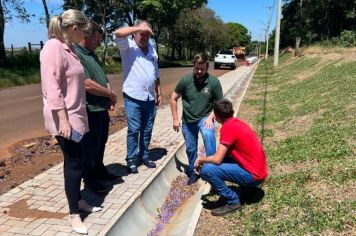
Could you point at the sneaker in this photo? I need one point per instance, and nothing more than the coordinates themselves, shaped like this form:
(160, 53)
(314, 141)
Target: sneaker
(77, 224)
(133, 169)
(84, 206)
(147, 162)
(220, 211)
(193, 178)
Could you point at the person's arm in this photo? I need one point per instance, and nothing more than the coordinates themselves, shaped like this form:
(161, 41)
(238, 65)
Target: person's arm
(218, 93)
(174, 108)
(95, 88)
(158, 90)
(209, 121)
(64, 125)
(52, 66)
(127, 31)
(216, 159)
(113, 101)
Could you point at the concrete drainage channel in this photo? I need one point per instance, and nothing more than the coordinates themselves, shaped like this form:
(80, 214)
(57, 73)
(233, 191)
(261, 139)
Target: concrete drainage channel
(141, 217)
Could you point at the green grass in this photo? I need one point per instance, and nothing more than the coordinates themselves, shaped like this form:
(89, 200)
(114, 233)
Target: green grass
(18, 77)
(21, 69)
(311, 187)
(24, 68)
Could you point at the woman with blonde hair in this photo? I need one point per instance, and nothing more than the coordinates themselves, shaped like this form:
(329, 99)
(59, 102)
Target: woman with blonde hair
(64, 110)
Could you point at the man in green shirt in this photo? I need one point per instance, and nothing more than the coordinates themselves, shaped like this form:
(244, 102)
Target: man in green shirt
(199, 91)
(100, 98)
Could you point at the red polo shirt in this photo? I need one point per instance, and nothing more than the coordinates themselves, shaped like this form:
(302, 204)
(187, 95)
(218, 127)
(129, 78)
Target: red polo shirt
(244, 147)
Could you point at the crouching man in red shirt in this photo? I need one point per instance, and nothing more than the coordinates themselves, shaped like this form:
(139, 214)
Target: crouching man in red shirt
(239, 159)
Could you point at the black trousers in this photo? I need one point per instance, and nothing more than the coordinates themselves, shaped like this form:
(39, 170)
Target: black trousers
(73, 156)
(94, 146)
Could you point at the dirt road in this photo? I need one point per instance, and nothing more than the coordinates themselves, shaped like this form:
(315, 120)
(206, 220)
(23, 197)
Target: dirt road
(21, 107)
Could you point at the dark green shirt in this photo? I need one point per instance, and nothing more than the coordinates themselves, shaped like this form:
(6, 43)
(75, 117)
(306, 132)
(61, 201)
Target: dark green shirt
(94, 71)
(198, 99)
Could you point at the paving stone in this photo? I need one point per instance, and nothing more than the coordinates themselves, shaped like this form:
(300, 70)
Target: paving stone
(61, 228)
(40, 229)
(63, 234)
(55, 192)
(35, 223)
(57, 222)
(93, 232)
(109, 214)
(96, 220)
(49, 208)
(4, 204)
(17, 222)
(49, 233)
(7, 234)
(96, 228)
(19, 230)
(4, 228)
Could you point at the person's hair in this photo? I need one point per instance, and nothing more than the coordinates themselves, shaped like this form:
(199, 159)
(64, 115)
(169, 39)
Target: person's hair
(139, 22)
(201, 58)
(59, 25)
(95, 27)
(223, 109)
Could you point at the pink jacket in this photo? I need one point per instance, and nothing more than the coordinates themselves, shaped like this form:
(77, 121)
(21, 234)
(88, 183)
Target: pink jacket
(62, 78)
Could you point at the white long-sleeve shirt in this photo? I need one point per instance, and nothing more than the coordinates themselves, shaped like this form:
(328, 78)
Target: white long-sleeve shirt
(140, 70)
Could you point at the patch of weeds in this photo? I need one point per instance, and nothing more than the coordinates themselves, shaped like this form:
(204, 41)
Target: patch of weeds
(340, 172)
(268, 133)
(253, 101)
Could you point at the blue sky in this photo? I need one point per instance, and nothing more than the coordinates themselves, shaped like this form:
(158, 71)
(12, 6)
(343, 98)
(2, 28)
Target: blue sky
(253, 14)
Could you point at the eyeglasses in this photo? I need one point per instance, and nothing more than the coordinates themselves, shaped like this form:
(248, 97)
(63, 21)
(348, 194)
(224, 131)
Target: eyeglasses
(86, 32)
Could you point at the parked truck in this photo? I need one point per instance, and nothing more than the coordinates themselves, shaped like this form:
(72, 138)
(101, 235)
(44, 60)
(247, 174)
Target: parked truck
(239, 52)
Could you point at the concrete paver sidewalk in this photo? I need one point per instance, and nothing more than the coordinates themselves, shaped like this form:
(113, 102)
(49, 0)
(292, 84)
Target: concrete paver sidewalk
(39, 206)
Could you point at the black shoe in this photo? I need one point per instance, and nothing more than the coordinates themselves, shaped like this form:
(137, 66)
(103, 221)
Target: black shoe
(193, 178)
(226, 209)
(210, 204)
(132, 169)
(147, 162)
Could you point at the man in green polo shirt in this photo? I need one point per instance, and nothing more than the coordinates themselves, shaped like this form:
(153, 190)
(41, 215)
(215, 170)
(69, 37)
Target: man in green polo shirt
(199, 91)
(100, 98)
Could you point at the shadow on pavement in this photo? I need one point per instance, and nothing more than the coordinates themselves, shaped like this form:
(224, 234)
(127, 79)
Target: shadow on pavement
(247, 195)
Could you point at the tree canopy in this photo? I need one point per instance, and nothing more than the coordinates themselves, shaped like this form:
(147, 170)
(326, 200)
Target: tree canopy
(8, 10)
(316, 20)
(238, 35)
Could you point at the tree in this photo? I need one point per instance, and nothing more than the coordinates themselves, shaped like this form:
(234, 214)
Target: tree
(47, 16)
(9, 9)
(238, 35)
(164, 13)
(316, 20)
(107, 13)
(199, 30)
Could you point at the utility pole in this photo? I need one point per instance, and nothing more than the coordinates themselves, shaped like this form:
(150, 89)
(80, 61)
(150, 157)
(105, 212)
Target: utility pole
(266, 41)
(259, 46)
(268, 25)
(278, 28)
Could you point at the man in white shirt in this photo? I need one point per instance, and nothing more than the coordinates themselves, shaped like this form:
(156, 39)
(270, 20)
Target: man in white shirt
(141, 89)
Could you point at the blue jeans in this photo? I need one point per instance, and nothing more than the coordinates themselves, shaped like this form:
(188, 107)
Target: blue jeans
(190, 134)
(140, 118)
(229, 170)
